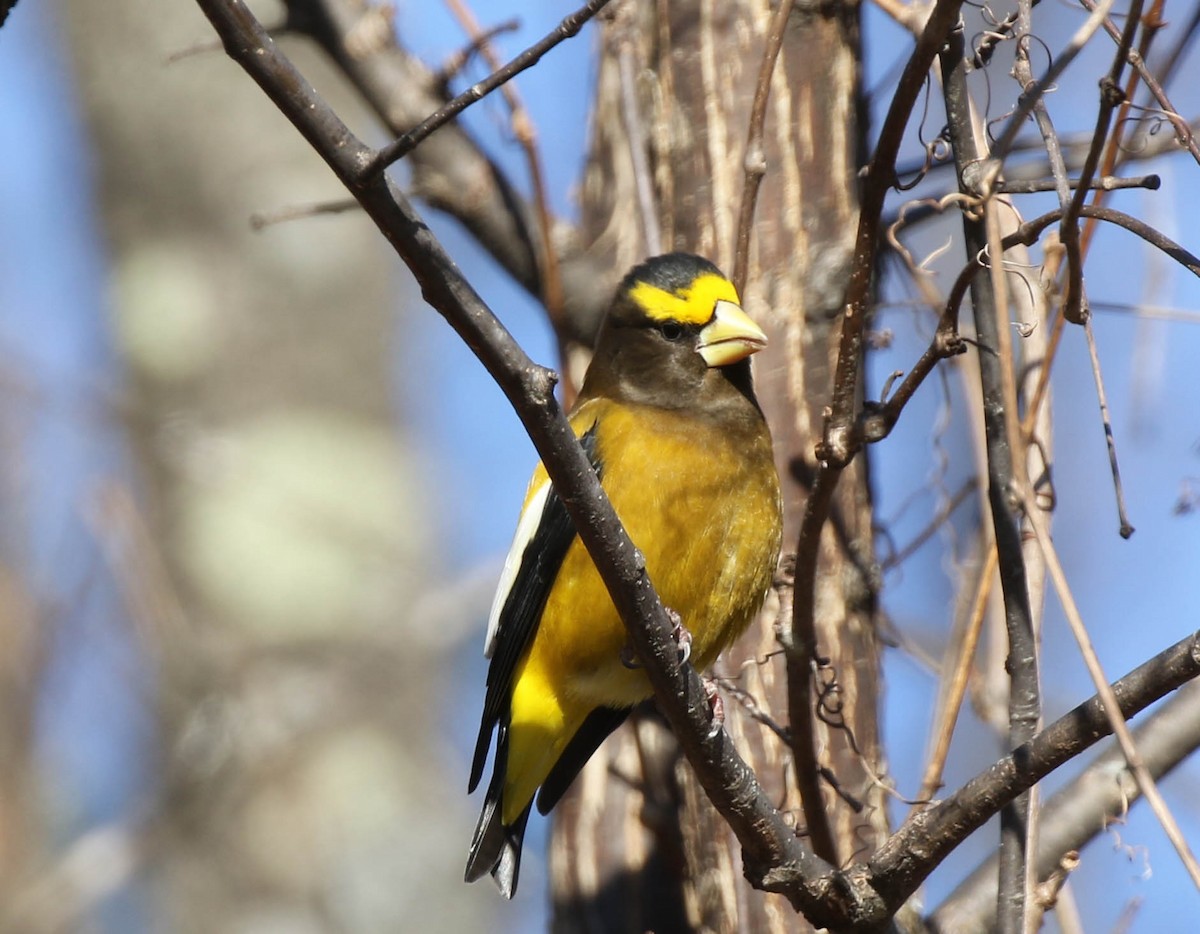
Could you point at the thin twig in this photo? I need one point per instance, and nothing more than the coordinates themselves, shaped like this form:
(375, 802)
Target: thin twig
(453, 65)
(754, 163)
(522, 127)
(262, 219)
(1107, 183)
(1126, 528)
(1112, 708)
(1111, 96)
(405, 143)
(943, 732)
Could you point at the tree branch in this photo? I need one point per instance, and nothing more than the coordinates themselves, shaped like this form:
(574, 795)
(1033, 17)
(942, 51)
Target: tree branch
(1081, 811)
(1004, 468)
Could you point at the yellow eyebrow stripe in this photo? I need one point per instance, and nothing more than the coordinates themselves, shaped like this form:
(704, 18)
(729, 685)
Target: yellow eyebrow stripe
(693, 305)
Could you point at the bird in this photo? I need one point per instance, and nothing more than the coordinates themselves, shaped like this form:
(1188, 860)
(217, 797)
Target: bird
(668, 418)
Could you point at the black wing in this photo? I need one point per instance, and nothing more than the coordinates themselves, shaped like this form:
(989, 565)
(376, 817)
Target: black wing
(540, 562)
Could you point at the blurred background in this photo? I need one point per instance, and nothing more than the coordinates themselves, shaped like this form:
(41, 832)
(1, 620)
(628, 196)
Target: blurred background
(256, 496)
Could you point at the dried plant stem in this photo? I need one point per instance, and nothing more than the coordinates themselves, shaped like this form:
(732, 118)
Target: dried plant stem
(1125, 529)
(948, 714)
(1112, 708)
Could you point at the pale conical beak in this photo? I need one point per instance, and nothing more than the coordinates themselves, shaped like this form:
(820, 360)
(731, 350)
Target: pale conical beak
(730, 336)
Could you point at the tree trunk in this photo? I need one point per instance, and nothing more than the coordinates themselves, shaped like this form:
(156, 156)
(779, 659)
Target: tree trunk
(283, 531)
(636, 846)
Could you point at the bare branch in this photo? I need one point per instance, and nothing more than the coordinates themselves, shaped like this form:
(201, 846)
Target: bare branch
(1125, 528)
(1005, 462)
(260, 220)
(930, 836)
(1107, 183)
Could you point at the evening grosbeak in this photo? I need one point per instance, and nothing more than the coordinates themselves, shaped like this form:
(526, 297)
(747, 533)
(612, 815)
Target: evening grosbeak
(668, 418)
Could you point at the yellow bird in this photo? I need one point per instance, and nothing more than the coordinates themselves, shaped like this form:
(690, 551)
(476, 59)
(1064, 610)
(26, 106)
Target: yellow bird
(668, 417)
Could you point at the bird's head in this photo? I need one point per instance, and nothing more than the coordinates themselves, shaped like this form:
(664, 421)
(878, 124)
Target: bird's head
(675, 333)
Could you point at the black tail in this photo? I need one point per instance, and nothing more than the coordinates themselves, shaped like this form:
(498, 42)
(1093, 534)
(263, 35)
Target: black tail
(496, 848)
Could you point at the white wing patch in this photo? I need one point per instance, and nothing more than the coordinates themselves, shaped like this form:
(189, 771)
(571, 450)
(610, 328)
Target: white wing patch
(531, 517)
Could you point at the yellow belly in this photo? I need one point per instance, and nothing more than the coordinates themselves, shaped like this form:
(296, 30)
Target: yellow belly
(711, 555)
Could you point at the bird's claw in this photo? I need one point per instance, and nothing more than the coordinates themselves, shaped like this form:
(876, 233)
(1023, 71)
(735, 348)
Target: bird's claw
(716, 705)
(683, 637)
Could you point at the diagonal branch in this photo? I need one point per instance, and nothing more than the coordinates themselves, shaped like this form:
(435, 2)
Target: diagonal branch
(765, 835)
(1099, 797)
(904, 861)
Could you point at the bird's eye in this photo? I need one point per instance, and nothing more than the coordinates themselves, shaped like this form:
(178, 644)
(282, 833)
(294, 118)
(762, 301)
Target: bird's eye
(671, 331)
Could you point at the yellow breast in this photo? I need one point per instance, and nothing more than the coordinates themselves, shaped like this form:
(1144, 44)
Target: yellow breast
(704, 510)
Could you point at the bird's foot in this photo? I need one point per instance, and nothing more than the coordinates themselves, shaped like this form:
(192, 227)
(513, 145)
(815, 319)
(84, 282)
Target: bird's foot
(716, 705)
(679, 632)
